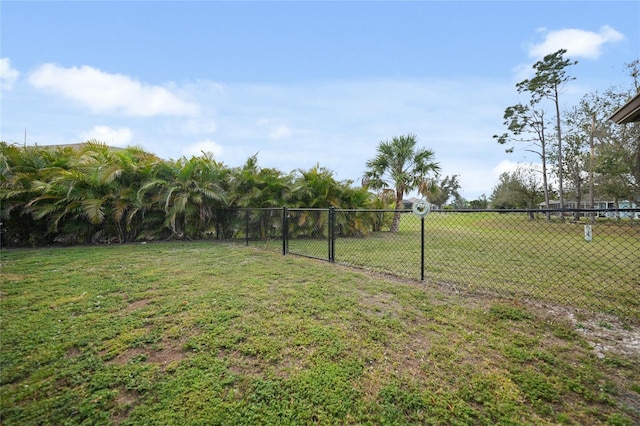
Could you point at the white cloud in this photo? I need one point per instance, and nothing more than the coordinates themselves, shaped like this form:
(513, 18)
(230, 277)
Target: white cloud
(200, 125)
(102, 92)
(280, 132)
(522, 72)
(206, 146)
(505, 166)
(578, 43)
(113, 137)
(275, 132)
(8, 74)
(338, 124)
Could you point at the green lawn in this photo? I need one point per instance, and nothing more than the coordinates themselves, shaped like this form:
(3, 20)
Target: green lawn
(507, 254)
(206, 333)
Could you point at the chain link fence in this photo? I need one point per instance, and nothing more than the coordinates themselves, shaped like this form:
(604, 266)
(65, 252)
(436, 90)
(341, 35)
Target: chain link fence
(587, 259)
(261, 227)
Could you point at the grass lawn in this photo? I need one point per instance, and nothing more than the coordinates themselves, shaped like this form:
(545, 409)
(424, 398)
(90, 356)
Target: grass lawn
(506, 254)
(207, 333)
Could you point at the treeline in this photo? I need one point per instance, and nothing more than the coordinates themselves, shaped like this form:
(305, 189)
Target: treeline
(92, 193)
(582, 154)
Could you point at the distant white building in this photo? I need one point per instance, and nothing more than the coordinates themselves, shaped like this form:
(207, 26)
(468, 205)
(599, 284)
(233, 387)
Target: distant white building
(598, 204)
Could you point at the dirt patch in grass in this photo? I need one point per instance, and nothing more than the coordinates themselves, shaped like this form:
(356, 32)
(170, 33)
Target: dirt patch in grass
(137, 304)
(606, 335)
(604, 332)
(244, 365)
(73, 352)
(171, 351)
(168, 352)
(380, 304)
(124, 402)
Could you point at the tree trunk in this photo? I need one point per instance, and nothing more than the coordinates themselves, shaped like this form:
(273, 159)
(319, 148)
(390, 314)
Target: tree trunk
(560, 160)
(576, 214)
(544, 173)
(395, 225)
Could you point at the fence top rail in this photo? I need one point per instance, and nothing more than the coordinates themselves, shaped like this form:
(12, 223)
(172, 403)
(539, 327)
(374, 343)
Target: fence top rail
(565, 210)
(306, 209)
(244, 209)
(542, 211)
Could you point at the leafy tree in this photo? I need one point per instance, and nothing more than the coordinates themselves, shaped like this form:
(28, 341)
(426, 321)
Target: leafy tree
(520, 189)
(86, 192)
(75, 201)
(254, 186)
(401, 165)
(138, 218)
(154, 179)
(588, 131)
(479, 204)
(608, 153)
(626, 146)
(613, 177)
(576, 164)
(460, 203)
(444, 190)
(117, 175)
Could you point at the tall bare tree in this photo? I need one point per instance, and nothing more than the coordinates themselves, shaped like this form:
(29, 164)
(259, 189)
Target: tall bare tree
(548, 82)
(526, 125)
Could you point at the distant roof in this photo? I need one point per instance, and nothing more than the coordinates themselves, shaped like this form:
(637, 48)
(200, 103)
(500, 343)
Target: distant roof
(64, 145)
(629, 112)
(78, 146)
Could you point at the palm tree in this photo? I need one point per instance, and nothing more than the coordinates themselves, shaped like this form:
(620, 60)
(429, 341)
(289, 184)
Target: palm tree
(384, 200)
(315, 188)
(259, 188)
(21, 169)
(149, 201)
(124, 171)
(189, 194)
(115, 174)
(80, 202)
(400, 163)
(255, 187)
(355, 222)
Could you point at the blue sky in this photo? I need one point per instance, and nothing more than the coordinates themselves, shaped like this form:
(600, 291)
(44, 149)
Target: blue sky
(299, 83)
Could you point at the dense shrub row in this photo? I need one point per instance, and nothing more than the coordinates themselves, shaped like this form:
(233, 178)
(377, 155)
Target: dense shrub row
(91, 193)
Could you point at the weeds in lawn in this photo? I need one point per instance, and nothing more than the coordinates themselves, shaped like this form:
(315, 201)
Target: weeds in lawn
(200, 333)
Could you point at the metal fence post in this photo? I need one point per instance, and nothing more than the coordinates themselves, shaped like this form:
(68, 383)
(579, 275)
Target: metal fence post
(247, 228)
(285, 230)
(422, 248)
(332, 219)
